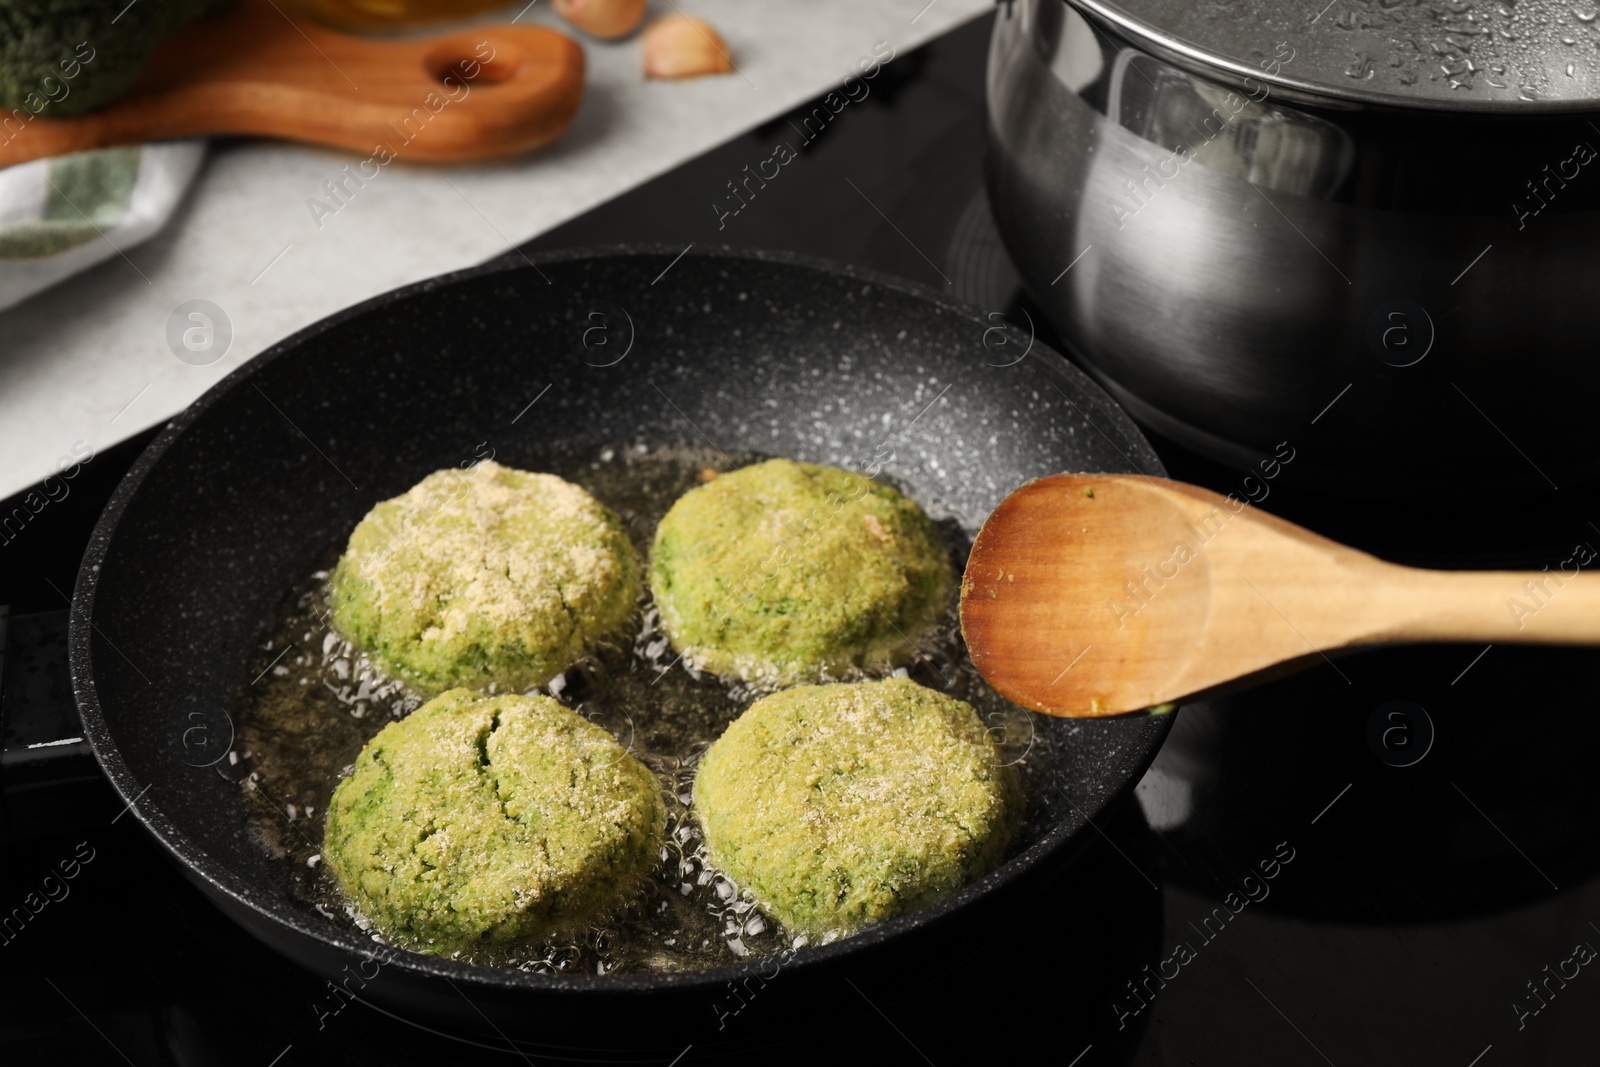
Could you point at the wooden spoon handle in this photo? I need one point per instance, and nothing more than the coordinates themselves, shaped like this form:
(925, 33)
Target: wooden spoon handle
(1553, 607)
(482, 93)
(1340, 597)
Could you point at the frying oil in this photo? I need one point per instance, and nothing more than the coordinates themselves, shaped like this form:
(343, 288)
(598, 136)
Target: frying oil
(315, 700)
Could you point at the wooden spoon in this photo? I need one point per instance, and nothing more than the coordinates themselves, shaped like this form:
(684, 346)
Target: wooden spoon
(480, 93)
(1090, 595)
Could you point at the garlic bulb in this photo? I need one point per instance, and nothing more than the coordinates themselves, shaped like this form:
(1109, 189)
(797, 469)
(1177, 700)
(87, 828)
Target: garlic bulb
(602, 18)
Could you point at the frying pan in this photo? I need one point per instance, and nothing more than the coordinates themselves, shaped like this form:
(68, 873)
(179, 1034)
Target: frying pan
(243, 493)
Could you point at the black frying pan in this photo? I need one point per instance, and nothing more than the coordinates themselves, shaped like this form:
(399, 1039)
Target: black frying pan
(243, 493)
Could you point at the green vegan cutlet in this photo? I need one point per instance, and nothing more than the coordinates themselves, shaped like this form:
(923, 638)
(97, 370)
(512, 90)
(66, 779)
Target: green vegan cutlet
(784, 572)
(486, 575)
(487, 819)
(841, 805)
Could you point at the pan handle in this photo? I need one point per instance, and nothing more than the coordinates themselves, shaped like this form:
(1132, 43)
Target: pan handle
(50, 783)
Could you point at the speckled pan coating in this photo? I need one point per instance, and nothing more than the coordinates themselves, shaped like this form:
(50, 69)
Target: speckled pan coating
(242, 493)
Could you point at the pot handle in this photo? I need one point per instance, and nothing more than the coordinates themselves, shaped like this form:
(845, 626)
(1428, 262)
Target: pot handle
(50, 782)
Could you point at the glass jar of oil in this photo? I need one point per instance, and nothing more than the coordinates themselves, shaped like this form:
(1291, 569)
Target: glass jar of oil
(362, 15)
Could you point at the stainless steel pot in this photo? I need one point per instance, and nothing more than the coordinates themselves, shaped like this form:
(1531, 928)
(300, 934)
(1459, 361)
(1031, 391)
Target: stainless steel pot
(1347, 235)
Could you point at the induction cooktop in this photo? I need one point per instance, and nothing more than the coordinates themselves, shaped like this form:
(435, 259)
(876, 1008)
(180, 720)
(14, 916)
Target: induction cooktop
(1389, 858)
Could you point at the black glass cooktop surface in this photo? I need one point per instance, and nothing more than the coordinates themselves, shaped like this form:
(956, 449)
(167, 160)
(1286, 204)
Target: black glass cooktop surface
(1387, 859)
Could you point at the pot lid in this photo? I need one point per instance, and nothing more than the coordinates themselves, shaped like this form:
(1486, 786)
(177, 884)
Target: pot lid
(1461, 55)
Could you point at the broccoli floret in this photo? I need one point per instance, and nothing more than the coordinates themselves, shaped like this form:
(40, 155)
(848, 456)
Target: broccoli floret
(66, 57)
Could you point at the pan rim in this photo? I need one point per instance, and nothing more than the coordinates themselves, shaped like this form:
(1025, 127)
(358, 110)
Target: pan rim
(199, 863)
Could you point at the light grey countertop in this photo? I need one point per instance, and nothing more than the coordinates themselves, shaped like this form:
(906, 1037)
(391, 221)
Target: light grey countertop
(88, 361)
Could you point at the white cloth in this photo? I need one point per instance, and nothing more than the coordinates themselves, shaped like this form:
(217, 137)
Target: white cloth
(60, 216)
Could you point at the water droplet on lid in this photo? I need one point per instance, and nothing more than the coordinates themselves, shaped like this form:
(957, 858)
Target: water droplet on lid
(1361, 67)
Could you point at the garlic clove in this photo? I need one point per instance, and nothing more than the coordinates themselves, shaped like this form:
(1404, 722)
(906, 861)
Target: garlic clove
(602, 18)
(682, 46)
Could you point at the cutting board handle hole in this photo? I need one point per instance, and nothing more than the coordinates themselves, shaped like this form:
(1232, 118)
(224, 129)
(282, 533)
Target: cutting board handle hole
(474, 63)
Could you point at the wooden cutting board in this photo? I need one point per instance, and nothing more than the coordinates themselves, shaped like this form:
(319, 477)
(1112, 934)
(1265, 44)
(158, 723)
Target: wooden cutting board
(259, 69)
